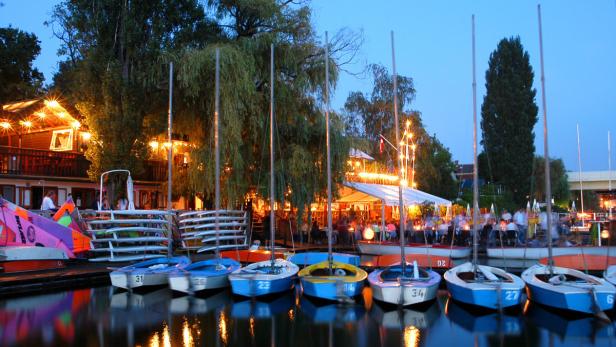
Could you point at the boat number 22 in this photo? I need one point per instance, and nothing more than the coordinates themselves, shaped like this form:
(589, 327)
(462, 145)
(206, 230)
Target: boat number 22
(511, 295)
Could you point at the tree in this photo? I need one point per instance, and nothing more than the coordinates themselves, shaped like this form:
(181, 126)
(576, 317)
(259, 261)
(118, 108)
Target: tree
(18, 79)
(558, 181)
(116, 50)
(372, 115)
(509, 114)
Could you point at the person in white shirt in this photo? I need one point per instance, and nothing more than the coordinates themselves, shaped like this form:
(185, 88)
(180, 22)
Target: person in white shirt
(506, 216)
(48, 204)
(521, 221)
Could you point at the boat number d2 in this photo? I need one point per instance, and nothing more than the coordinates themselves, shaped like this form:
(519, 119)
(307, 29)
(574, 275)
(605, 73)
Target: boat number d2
(441, 263)
(511, 295)
(610, 299)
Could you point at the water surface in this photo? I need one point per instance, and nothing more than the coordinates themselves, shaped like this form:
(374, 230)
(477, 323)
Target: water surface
(107, 317)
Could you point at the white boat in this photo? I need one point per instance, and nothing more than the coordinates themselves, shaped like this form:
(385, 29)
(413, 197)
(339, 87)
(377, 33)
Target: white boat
(610, 274)
(30, 258)
(536, 253)
(204, 275)
(484, 286)
(415, 286)
(569, 289)
(381, 248)
(149, 273)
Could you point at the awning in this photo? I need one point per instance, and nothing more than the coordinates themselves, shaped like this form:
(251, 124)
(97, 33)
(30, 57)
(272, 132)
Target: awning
(356, 153)
(368, 192)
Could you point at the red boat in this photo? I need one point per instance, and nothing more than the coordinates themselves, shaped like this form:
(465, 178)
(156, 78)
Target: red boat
(381, 248)
(29, 258)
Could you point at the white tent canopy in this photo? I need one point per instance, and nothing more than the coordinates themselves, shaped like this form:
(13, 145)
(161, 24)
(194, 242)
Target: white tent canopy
(356, 153)
(368, 192)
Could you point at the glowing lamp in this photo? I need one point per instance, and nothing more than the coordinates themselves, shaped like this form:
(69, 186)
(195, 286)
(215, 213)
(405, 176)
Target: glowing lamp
(404, 183)
(52, 103)
(167, 144)
(5, 125)
(75, 124)
(86, 136)
(368, 233)
(408, 123)
(153, 145)
(41, 114)
(26, 124)
(605, 234)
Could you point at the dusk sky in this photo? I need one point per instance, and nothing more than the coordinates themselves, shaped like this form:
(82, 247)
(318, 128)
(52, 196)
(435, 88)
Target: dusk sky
(433, 45)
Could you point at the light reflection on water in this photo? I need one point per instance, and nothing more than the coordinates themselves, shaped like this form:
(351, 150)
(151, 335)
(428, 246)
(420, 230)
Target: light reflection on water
(104, 317)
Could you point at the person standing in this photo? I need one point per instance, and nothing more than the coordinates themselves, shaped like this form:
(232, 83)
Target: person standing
(520, 218)
(506, 216)
(48, 204)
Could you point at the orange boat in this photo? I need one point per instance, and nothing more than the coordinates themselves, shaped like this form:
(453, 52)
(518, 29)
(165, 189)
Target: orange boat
(423, 260)
(250, 256)
(590, 262)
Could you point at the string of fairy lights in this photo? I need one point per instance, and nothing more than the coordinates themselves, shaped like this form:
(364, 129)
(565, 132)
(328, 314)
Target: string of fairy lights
(54, 108)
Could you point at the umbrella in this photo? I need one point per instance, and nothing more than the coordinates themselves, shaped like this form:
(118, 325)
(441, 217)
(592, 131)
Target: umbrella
(492, 211)
(130, 193)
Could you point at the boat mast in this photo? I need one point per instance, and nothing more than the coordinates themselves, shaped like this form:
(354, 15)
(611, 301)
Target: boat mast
(329, 168)
(170, 161)
(272, 202)
(609, 168)
(475, 166)
(546, 153)
(397, 126)
(577, 129)
(217, 149)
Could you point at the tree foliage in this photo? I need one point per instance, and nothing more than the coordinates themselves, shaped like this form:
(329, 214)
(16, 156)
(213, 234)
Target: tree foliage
(558, 181)
(509, 114)
(18, 79)
(372, 115)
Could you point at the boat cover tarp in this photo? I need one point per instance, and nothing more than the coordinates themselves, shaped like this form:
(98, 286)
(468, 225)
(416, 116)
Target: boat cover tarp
(369, 192)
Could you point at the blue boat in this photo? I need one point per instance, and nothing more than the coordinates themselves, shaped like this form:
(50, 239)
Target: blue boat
(480, 322)
(153, 272)
(311, 258)
(484, 286)
(569, 289)
(263, 278)
(204, 275)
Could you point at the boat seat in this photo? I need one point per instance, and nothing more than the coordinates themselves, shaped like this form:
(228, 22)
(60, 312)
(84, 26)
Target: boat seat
(396, 273)
(337, 272)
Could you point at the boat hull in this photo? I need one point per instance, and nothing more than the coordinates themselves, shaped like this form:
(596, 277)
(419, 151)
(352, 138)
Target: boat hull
(249, 283)
(380, 248)
(149, 273)
(30, 258)
(537, 253)
(204, 275)
(406, 293)
(489, 295)
(578, 297)
(333, 288)
(311, 258)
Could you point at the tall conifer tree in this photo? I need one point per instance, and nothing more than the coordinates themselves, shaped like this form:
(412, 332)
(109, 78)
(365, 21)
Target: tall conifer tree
(508, 115)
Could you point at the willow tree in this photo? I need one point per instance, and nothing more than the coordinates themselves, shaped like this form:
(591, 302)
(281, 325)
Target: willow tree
(247, 29)
(114, 48)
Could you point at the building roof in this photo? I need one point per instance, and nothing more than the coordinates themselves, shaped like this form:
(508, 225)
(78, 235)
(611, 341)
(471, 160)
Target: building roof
(35, 114)
(369, 192)
(356, 153)
(592, 180)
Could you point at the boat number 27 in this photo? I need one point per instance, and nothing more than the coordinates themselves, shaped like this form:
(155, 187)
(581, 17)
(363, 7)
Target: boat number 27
(511, 295)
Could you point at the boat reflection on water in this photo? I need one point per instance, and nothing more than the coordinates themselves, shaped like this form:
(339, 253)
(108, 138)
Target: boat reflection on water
(481, 322)
(196, 305)
(42, 319)
(395, 319)
(570, 327)
(318, 312)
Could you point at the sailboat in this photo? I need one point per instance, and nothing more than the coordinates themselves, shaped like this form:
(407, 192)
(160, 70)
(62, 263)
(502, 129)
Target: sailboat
(212, 273)
(274, 275)
(396, 285)
(147, 273)
(561, 287)
(471, 283)
(330, 279)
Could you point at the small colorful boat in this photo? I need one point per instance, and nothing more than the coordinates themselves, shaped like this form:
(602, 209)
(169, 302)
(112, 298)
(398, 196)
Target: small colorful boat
(484, 286)
(341, 282)
(311, 258)
(153, 272)
(610, 274)
(415, 286)
(582, 262)
(263, 278)
(568, 289)
(204, 275)
(536, 253)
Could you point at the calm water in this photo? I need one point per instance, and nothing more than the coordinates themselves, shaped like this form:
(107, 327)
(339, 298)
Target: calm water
(104, 317)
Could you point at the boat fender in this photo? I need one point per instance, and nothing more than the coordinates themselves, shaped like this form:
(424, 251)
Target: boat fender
(339, 272)
(558, 279)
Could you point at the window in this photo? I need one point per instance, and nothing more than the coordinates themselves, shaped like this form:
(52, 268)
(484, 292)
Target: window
(62, 140)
